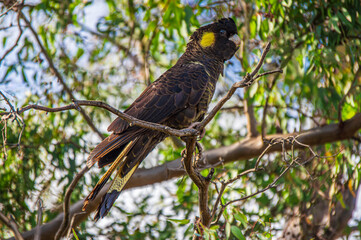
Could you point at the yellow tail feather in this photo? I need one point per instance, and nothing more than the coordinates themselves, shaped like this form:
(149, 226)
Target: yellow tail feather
(119, 161)
(119, 182)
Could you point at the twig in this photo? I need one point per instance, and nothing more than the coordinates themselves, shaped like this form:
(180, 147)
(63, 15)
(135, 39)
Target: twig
(12, 114)
(113, 41)
(40, 217)
(131, 120)
(10, 8)
(271, 185)
(58, 75)
(64, 225)
(72, 223)
(261, 60)
(10, 223)
(16, 41)
(246, 81)
(225, 184)
(12, 109)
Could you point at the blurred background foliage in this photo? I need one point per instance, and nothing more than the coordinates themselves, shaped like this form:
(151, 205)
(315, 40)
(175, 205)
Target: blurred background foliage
(111, 50)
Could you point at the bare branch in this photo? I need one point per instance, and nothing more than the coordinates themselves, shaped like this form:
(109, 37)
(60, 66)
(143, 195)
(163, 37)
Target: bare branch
(16, 41)
(10, 223)
(201, 182)
(12, 114)
(271, 185)
(261, 60)
(131, 120)
(246, 81)
(66, 204)
(58, 75)
(113, 41)
(16, 3)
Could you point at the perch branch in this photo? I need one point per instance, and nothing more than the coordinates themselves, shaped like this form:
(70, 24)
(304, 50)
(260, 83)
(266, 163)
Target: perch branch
(131, 120)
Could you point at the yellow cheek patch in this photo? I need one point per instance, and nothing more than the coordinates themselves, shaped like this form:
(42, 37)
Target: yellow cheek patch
(208, 39)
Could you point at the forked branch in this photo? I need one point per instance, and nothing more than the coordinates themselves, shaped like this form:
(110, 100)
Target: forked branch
(202, 183)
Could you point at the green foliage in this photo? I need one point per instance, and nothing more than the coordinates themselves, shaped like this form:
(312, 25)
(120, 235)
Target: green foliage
(111, 50)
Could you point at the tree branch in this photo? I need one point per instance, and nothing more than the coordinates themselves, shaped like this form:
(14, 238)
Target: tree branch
(65, 223)
(246, 81)
(131, 120)
(10, 223)
(18, 38)
(12, 7)
(251, 119)
(58, 75)
(240, 151)
(113, 41)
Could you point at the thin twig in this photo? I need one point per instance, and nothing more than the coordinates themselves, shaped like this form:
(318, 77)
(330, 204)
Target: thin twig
(58, 75)
(225, 184)
(245, 82)
(64, 225)
(12, 109)
(12, 114)
(11, 8)
(10, 223)
(16, 41)
(261, 60)
(271, 185)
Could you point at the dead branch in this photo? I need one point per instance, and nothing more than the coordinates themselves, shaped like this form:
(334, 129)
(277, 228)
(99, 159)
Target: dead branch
(14, 116)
